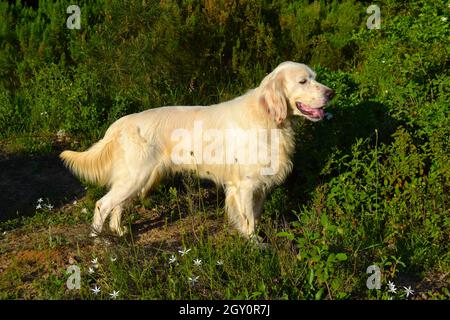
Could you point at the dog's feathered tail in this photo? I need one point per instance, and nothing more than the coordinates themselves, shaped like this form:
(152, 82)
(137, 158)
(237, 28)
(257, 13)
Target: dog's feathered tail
(94, 164)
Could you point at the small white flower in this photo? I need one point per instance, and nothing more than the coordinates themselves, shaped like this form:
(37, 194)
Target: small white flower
(172, 259)
(219, 262)
(4, 232)
(114, 294)
(197, 262)
(84, 210)
(96, 290)
(38, 206)
(383, 61)
(90, 270)
(40, 200)
(49, 207)
(408, 291)
(444, 19)
(95, 263)
(193, 280)
(392, 287)
(75, 202)
(113, 259)
(184, 252)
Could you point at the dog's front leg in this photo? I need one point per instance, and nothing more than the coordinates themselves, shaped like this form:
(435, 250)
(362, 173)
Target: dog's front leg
(240, 207)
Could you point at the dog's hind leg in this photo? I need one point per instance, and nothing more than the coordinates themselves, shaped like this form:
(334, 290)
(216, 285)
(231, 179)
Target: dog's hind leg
(99, 218)
(115, 221)
(131, 171)
(116, 214)
(152, 182)
(113, 200)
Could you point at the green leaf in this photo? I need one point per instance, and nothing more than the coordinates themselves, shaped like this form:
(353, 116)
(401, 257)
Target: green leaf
(341, 256)
(311, 277)
(319, 294)
(288, 235)
(261, 287)
(324, 220)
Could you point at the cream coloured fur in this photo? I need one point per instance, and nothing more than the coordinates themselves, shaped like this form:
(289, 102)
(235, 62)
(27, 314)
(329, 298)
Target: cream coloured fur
(136, 151)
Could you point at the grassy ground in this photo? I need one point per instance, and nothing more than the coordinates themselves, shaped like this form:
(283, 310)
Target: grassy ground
(181, 215)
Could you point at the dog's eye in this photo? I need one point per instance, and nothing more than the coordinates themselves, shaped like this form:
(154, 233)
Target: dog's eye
(303, 81)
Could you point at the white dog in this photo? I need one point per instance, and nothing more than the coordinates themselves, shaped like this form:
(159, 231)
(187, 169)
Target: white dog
(222, 142)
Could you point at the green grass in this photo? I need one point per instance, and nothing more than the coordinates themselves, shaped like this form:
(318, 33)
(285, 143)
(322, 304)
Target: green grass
(316, 256)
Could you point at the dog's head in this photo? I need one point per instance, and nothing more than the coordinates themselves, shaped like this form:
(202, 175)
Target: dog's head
(291, 89)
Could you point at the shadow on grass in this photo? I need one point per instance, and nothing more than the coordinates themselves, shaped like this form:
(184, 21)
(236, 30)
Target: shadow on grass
(316, 142)
(194, 202)
(25, 178)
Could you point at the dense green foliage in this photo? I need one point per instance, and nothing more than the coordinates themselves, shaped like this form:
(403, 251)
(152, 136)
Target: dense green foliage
(370, 186)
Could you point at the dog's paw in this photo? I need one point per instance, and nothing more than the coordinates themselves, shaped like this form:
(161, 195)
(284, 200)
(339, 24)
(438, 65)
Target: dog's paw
(118, 230)
(121, 231)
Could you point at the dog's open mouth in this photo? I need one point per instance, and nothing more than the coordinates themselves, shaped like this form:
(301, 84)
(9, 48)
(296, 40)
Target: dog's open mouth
(314, 113)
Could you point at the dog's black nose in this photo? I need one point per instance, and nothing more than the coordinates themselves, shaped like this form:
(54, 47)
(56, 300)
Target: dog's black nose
(329, 94)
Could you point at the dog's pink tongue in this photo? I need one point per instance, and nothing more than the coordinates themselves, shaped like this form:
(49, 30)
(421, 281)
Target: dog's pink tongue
(319, 113)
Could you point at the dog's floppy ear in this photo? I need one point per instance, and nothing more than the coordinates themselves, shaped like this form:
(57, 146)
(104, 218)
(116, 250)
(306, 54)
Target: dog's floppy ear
(273, 98)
